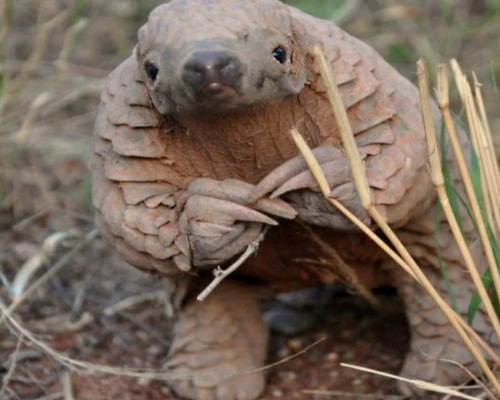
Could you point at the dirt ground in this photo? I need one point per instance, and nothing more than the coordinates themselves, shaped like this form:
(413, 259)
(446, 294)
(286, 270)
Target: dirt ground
(54, 56)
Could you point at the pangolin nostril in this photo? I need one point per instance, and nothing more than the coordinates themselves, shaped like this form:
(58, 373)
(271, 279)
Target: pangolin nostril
(209, 70)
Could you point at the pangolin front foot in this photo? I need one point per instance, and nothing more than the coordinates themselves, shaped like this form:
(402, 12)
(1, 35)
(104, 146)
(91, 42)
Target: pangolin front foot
(295, 183)
(219, 221)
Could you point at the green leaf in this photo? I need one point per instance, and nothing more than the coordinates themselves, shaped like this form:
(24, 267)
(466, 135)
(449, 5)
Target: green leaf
(475, 301)
(442, 266)
(399, 54)
(77, 10)
(451, 192)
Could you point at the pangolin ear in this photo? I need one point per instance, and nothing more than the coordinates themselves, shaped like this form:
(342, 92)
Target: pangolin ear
(141, 33)
(295, 79)
(141, 44)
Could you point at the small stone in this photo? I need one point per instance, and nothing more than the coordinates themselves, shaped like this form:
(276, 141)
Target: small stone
(334, 374)
(154, 350)
(144, 381)
(284, 352)
(295, 344)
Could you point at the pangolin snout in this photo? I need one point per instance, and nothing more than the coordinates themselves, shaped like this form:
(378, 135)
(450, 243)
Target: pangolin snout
(212, 73)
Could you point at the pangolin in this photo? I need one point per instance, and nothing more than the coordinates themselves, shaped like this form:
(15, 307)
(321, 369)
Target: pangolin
(193, 159)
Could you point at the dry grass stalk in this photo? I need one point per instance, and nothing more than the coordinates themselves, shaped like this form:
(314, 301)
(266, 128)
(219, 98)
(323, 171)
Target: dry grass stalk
(454, 319)
(13, 361)
(356, 164)
(63, 262)
(133, 301)
(418, 383)
(220, 274)
(438, 180)
(474, 128)
(482, 142)
(79, 366)
(457, 322)
(39, 47)
(492, 167)
(320, 178)
(443, 102)
(46, 252)
(74, 365)
(345, 131)
(339, 268)
(67, 386)
(337, 394)
(70, 41)
(473, 377)
(34, 111)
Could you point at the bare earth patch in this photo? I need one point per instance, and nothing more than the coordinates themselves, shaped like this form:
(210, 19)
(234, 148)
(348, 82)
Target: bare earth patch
(137, 337)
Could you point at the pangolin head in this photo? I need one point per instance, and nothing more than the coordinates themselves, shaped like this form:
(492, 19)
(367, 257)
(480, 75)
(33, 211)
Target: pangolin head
(219, 55)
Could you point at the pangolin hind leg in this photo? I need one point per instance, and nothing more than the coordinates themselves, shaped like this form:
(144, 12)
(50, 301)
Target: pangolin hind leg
(216, 341)
(433, 339)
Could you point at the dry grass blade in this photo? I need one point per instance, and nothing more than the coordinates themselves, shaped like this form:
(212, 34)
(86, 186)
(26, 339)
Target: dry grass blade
(482, 142)
(39, 47)
(76, 365)
(339, 268)
(454, 319)
(320, 178)
(133, 301)
(67, 386)
(473, 377)
(12, 367)
(345, 131)
(34, 110)
(457, 322)
(89, 238)
(418, 383)
(70, 42)
(91, 368)
(493, 164)
(220, 274)
(438, 179)
(443, 102)
(357, 396)
(357, 166)
(47, 251)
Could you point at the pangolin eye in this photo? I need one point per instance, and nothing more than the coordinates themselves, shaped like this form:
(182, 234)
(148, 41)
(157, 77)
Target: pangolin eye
(279, 53)
(151, 71)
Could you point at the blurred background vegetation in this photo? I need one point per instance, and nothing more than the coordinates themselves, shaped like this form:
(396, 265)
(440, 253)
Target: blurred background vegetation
(55, 54)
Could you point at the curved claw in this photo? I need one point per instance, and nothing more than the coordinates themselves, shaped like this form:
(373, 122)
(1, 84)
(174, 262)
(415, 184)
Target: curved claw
(276, 207)
(209, 229)
(216, 250)
(300, 181)
(234, 190)
(291, 168)
(230, 190)
(336, 172)
(216, 210)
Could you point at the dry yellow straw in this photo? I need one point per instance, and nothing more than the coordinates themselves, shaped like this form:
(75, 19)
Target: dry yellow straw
(481, 139)
(439, 182)
(443, 102)
(363, 189)
(492, 166)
